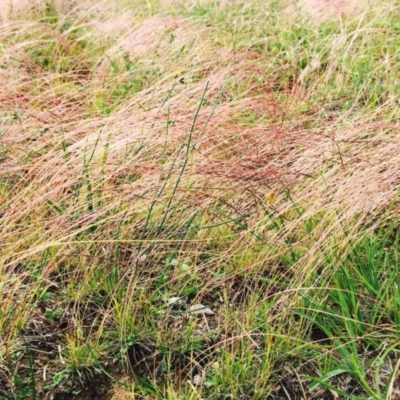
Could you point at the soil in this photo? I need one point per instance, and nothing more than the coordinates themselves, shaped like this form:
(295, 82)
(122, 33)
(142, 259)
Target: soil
(116, 392)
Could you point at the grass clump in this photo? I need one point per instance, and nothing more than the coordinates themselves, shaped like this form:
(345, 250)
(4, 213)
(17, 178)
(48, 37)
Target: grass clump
(199, 200)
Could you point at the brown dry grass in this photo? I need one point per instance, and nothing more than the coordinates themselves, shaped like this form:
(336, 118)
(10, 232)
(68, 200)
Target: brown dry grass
(328, 9)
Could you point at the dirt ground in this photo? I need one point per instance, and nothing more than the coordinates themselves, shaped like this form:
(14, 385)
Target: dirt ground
(118, 393)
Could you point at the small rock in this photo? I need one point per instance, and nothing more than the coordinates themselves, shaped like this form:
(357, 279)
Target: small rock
(173, 300)
(200, 309)
(142, 258)
(197, 380)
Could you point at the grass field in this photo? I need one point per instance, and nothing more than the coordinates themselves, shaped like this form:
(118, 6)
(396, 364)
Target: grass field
(199, 200)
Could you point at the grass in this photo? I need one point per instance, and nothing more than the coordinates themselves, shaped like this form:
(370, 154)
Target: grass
(199, 200)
